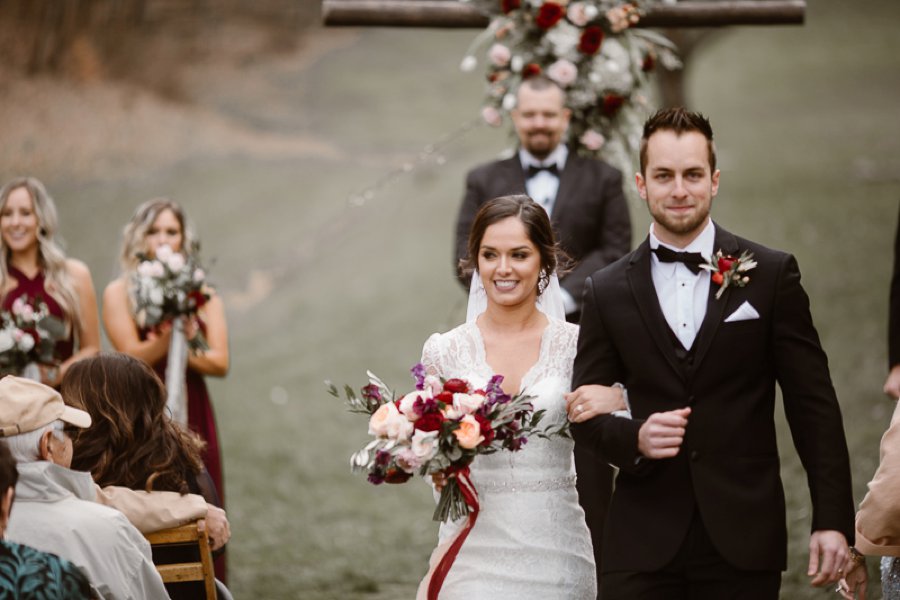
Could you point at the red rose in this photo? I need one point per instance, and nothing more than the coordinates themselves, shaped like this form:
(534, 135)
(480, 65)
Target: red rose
(530, 70)
(611, 104)
(591, 40)
(456, 386)
(445, 397)
(198, 297)
(486, 430)
(429, 422)
(395, 475)
(725, 263)
(507, 6)
(717, 278)
(549, 15)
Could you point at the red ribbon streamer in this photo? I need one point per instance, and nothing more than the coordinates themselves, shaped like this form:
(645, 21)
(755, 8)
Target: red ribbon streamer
(471, 498)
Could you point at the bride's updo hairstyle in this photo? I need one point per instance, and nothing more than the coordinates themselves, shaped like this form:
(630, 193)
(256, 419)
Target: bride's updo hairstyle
(537, 225)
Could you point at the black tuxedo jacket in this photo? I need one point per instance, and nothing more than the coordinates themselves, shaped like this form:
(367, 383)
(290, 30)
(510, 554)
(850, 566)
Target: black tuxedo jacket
(590, 213)
(728, 466)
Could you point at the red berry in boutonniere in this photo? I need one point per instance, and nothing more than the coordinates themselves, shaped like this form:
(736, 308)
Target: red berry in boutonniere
(549, 15)
(591, 40)
(726, 270)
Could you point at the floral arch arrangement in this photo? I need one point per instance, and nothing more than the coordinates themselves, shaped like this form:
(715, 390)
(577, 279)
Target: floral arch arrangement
(592, 50)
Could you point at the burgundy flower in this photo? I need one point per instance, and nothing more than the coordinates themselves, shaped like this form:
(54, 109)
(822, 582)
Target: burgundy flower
(371, 393)
(549, 15)
(507, 6)
(429, 422)
(530, 70)
(376, 477)
(445, 397)
(649, 63)
(725, 263)
(456, 386)
(591, 39)
(611, 104)
(486, 430)
(395, 475)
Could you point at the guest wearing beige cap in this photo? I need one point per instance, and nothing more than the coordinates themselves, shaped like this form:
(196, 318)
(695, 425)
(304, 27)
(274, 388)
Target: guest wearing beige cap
(57, 509)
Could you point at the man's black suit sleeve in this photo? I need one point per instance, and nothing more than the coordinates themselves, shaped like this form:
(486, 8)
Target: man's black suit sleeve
(612, 438)
(613, 237)
(472, 201)
(810, 404)
(894, 315)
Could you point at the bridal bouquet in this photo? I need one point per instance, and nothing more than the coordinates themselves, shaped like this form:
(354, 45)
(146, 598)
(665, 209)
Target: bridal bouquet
(28, 334)
(166, 287)
(440, 427)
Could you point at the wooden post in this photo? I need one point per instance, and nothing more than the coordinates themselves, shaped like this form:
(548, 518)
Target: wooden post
(456, 14)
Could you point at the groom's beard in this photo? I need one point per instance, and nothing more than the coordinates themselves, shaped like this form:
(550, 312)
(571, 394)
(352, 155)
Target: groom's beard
(689, 223)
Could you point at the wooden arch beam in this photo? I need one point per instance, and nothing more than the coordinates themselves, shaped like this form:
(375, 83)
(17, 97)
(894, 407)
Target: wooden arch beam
(456, 14)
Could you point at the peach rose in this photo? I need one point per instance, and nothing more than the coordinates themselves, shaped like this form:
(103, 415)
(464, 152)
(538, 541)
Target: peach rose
(469, 432)
(381, 419)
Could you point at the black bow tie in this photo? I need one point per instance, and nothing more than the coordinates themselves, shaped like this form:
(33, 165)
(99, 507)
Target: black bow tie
(692, 260)
(535, 169)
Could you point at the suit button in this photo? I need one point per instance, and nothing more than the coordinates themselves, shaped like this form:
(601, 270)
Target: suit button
(695, 455)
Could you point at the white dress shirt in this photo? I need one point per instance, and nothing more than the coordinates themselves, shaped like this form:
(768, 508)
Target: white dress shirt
(682, 294)
(543, 186)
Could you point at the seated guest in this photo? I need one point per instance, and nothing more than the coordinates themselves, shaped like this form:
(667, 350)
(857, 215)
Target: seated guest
(24, 571)
(56, 508)
(132, 441)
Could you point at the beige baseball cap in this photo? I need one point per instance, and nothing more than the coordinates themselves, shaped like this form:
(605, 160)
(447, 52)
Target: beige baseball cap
(27, 405)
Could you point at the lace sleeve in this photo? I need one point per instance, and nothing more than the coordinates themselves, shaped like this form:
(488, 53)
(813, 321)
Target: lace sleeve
(431, 355)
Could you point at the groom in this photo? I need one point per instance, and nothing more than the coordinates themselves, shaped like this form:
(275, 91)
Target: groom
(698, 509)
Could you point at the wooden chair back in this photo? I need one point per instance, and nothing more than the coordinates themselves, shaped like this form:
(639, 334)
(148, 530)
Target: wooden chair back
(201, 570)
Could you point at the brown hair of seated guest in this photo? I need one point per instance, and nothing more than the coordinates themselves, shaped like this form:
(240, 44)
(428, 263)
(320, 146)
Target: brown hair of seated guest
(132, 441)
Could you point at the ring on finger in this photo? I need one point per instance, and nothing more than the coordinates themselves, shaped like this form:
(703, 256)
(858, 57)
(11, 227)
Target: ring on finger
(579, 408)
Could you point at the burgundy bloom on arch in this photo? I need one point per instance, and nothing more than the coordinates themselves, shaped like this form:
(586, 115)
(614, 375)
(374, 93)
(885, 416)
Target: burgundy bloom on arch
(649, 63)
(530, 70)
(430, 422)
(549, 15)
(591, 39)
(611, 104)
(507, 6)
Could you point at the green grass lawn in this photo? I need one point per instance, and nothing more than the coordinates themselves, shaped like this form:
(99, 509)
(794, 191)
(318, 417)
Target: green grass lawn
(809, 144)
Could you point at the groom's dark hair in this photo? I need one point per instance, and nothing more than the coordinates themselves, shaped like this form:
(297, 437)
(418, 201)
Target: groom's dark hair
(680, 120)
(537, 224)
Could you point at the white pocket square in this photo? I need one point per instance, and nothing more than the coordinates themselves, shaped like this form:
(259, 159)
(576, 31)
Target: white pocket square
(745, 312)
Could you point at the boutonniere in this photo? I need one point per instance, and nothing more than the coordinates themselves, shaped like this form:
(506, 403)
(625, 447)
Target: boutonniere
(727, 270)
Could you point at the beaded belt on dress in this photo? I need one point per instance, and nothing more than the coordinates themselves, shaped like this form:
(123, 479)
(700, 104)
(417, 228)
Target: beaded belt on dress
(537, 485)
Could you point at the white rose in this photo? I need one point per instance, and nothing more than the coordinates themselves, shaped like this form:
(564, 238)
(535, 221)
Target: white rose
(516, 63)
(509, 102)
(156, 297)
(563, 72)
(157, 269)
(424, 444)
(467, 403)
(163, 252)
(6, 340)
(176, 262)
(408, 461)
(499, 55)
(468, 64)
(25, 343)
(407, 402)
(199, 275)
(563, 39)
(398, 428)
(145, 269)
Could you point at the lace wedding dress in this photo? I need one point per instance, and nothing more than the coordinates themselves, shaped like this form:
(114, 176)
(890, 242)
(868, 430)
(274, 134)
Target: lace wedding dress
(530, 539)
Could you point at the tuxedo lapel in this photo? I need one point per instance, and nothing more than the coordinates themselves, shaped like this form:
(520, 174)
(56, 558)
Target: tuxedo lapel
(647, 301)
(512, 175)
(715, 308)
(569, 181)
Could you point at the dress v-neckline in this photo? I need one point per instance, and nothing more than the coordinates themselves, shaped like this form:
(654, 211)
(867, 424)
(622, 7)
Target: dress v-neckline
(482, 350)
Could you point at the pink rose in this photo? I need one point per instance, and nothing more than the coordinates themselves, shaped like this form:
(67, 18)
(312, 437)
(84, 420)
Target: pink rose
(424, 444)
(592, 139)
(408, 461)
(499, 55)
(563, 72)
(581, 14)
(468, 434)
(467, 403)
(491, 116)
(176, 262)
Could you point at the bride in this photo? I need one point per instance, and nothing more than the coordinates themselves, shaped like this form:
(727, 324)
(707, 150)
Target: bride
(530, 539)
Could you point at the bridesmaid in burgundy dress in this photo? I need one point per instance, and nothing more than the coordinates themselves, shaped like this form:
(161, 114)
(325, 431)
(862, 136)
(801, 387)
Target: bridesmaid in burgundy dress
(33, 266)
(157, 223)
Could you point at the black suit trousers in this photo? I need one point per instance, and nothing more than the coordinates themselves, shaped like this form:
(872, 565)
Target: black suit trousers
(698, 572)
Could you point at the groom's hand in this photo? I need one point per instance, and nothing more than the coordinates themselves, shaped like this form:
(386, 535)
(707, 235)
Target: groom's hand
(661, 434)
(828, 554)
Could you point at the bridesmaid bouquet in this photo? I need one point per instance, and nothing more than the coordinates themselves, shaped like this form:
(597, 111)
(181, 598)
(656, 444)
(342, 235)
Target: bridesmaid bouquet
(440, 427)
(28, 334)
(167, 287)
